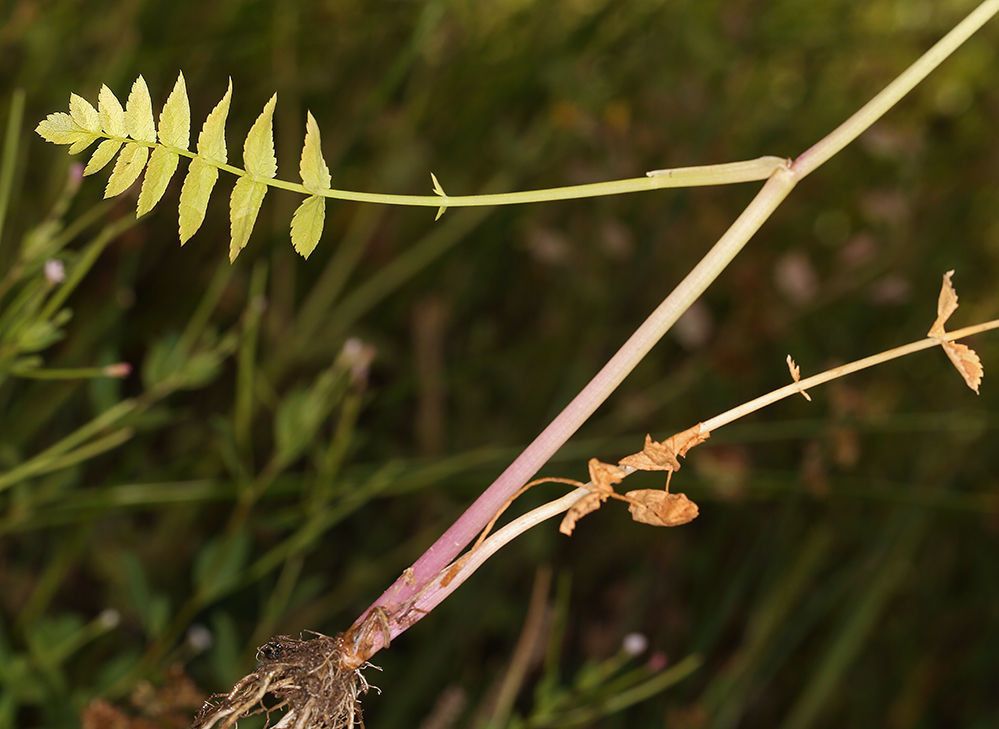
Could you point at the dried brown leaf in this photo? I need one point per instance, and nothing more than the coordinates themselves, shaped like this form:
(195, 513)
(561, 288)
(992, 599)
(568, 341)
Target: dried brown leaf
(586, 505)
(946, 305)
(654, 456)
(967, 363)
(795, 371)
(603, 476)
(664, 456)
(660, 508)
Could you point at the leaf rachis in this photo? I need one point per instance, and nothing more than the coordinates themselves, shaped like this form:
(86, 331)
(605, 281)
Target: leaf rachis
(130, 137)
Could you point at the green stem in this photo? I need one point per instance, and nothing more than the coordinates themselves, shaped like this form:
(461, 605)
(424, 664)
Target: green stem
(721, 174)
(11, 136)
(69, 373)
(893, 92)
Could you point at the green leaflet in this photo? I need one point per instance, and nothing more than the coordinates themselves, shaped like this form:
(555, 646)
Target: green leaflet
(258, 149)
(111, 113)
(85, 116)
(247, 196)
(162, 165)
(201, 178)
(81, 144)
(127, 169)
(59, 128)
(307, 224)
(175, 119)
(211, 141)
(315, 173)
(202, 173)
(139, 120)
(104, 153)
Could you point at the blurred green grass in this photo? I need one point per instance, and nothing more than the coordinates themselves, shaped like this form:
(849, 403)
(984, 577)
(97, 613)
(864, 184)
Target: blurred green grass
(841, 571)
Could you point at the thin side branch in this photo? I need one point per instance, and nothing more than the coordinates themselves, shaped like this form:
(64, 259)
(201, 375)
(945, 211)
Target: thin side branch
(454, 576)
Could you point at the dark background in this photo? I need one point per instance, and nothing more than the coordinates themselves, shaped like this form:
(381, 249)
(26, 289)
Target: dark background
(842, 571)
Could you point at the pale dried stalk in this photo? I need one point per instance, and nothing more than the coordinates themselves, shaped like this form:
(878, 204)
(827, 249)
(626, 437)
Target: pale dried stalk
(452, 577)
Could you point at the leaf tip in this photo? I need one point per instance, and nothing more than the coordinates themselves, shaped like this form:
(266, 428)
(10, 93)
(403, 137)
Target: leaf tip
(795, 371)
(437, 185)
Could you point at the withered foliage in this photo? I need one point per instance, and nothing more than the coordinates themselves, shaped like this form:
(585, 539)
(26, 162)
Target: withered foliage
(665, 455)
(963, 357)
(795, 371)
(661, 508)
(647, 506)
(603, 476)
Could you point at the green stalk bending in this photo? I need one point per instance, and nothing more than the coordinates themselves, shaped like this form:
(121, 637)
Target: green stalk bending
(131, 136)
(726, 173)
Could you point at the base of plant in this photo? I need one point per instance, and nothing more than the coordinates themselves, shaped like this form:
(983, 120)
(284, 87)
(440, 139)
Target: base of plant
(313, 683)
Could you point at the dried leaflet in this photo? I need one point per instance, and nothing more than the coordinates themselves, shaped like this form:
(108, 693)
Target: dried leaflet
(946, 305)
(661, 508)
(963, 357)
(967, 363)
(795, 371)
(664, 456)
(603, 476)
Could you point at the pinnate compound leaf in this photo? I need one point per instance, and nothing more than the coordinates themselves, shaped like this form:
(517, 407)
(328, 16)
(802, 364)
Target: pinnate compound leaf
(315, 173)
(162, 165)
(603, 476)
(111, 113)
(258, 149)
(139, 113)
(104, 153)
(85, 115)
(244, 204)
(660, 508)
(175, 119)
(307, 224)
(127, 169)
(194, 196)
(946, 305)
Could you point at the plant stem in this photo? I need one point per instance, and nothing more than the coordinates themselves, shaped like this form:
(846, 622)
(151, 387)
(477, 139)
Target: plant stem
(7, 162)
(414, 580)
(726, 173)
(596, 391)
(836, 372)
(471, 561)
(71, 373)
(853, 127)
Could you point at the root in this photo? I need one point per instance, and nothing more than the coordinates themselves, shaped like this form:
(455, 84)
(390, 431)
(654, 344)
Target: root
(304, 684)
